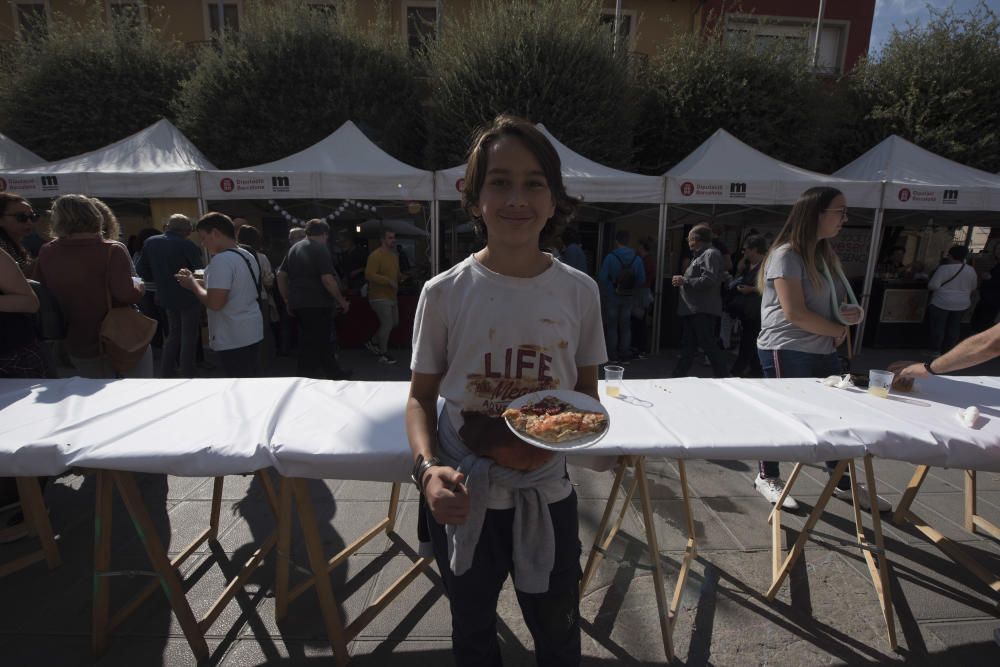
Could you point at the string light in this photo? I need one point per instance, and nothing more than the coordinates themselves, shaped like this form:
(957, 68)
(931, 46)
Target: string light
(370, 208)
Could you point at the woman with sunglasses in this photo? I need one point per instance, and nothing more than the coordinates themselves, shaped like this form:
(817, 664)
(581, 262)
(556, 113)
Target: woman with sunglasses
(16, 219)
(804, 316)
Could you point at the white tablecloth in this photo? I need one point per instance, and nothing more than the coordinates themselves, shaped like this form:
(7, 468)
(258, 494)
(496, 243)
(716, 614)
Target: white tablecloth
(355, 430)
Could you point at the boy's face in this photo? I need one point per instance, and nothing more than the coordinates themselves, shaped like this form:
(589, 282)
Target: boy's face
(515, 201)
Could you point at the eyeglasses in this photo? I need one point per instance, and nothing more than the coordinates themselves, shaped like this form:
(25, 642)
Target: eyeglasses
(843, 212)
(23, 217)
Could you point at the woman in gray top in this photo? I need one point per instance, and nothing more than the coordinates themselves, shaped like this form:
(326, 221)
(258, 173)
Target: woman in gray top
(804, 317)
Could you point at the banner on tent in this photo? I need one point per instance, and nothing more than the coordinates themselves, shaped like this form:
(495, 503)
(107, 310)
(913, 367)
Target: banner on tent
(256, 185)
(919, 197)
(732, 192)
(38, 185)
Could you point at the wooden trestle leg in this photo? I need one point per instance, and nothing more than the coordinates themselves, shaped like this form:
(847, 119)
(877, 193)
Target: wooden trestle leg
(972, 522)
(295, 490)
(165, 570)
(602, 541)
(878, 564)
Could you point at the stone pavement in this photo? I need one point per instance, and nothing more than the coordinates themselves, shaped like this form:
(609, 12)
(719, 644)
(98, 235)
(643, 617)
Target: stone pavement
(827, 614)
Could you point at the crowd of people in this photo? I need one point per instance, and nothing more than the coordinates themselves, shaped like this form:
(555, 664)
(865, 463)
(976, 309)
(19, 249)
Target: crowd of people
(58, 301)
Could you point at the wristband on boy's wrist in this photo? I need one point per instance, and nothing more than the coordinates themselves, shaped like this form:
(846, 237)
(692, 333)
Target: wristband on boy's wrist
(420, 468)
(927, 367)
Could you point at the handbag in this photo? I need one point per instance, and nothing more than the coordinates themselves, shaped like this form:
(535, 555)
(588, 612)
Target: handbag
(49, 321)
(125, 332)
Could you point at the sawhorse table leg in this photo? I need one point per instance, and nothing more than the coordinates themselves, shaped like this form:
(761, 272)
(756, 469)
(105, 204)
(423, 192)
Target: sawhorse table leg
(949, 547)
(37, 525)
(294, 490)
(165, 570)
(602, 541)
(875, 556)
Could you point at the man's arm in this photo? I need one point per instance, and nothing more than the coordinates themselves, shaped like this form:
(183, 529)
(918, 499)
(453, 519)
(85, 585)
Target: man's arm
(974, 350)
(330, 283)
(213, 298)
(712, 277)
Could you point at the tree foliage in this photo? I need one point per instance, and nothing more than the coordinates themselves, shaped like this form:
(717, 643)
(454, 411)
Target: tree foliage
(697, 83)
(937, 85)
(87, 84)
(549, 61)
(294, 74)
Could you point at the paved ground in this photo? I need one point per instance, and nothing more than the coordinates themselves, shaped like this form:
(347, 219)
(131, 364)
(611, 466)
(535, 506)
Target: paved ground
(827, 615)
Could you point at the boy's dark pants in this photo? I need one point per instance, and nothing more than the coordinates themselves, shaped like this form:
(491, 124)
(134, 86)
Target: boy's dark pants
(552, 617)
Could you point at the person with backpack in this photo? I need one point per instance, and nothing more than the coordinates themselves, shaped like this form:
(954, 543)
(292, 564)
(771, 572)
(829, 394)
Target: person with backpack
(620, 276)
(699, 305)
(951, 289)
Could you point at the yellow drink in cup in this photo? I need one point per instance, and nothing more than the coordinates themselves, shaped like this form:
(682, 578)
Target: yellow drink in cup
(879, 383)
(613, 380)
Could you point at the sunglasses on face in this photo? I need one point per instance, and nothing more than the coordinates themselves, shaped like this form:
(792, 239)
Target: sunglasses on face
(23, 217)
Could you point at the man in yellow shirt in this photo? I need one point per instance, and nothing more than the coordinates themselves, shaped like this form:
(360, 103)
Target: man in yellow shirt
(382, 274)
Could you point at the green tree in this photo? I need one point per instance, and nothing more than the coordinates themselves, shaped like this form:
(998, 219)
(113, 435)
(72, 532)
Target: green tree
(937, 85)
(765, 95)
(88, 83)
(294, 74)
(550, 61)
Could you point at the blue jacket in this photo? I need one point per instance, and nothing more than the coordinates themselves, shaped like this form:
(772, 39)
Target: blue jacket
(612, 267)
(163, 256)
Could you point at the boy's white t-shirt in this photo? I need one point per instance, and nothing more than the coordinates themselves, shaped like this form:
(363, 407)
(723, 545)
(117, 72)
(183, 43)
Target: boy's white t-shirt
(495, 338)
(239, 323)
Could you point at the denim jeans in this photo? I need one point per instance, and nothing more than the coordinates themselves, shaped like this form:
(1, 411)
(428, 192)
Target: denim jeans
(183, 327)
(796, 364)
(553, 617)
(618, 326)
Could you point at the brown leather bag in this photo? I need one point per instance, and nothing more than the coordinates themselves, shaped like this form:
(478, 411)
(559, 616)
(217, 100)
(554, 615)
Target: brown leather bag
(125, 332)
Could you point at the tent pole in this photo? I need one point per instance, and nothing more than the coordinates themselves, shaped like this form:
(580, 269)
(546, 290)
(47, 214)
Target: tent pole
(201, 200)
(661, 258)
(435, 229)
(873, 250)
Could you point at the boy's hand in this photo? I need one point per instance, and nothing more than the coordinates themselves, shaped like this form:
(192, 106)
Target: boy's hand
(446, 495)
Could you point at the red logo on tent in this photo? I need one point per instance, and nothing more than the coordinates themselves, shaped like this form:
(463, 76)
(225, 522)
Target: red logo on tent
(904, 194)
(3, 185)
(227, 185)
(460, 184)
(687, 188)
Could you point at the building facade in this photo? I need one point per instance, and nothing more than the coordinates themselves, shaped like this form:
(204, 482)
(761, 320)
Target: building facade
(844, 38)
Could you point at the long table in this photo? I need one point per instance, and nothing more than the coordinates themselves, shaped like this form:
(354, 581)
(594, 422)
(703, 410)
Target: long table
(309, 429)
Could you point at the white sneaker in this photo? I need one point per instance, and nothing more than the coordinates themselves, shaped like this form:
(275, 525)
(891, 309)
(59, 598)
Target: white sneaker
(771, 488)
(863, 498)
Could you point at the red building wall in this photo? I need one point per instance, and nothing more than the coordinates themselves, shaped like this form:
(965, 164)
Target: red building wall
(860, 13)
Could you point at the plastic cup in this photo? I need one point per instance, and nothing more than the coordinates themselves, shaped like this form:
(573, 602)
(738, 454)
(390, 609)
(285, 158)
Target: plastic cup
(879, 382)
(613, 380)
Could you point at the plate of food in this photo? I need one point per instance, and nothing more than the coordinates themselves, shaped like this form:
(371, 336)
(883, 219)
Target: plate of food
(558, 420)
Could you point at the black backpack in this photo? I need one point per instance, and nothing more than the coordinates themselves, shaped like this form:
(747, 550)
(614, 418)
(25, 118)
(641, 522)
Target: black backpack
(625, 282)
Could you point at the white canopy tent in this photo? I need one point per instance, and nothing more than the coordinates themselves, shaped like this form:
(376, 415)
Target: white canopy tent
(916, 179)
(15, 156)
(725, 171)
(346, 164)
(158, 162)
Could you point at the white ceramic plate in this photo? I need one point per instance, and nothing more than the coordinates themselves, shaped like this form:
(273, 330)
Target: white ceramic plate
(574, 398)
